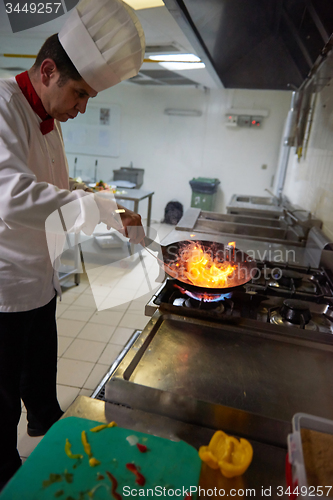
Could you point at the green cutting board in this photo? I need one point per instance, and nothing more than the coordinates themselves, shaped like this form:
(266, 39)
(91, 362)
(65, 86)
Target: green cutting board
(167, 464)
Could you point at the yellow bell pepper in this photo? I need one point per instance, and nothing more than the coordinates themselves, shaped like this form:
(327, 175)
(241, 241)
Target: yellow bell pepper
(93, 462)
(86, 445)
(103, 426)
(230, 455)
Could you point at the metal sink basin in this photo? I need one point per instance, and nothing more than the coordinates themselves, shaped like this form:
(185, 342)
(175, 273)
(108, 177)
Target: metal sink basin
(243, 199)
(262, 206)
(256, 200)
(261, 200)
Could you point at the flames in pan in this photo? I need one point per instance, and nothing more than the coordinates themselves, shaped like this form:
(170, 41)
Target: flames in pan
(202, 267)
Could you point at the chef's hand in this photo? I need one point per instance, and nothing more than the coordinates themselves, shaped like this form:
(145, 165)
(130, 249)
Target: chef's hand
(132, 225)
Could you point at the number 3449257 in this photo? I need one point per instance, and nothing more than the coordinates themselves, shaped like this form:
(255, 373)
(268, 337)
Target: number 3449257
(33, 8)
(308, 491)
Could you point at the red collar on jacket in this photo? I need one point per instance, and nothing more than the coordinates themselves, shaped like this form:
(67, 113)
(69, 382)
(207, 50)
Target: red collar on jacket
(29, 93)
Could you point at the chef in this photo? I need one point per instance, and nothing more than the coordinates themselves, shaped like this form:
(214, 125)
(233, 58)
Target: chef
(100, 45)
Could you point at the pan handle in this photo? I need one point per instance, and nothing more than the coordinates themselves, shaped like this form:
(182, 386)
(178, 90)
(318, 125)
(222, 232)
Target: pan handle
(153, 246)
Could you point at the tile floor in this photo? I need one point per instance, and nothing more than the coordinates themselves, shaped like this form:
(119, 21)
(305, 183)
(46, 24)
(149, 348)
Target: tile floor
(89, 339)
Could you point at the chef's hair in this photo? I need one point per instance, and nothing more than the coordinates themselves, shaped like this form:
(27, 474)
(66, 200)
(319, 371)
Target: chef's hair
(52, 49)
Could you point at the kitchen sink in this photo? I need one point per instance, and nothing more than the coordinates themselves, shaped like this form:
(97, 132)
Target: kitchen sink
(256, 200)
(261, 206)
(260, 200)
(243, 199)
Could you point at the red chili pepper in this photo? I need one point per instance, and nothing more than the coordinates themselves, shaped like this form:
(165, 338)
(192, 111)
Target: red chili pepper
(142, 447)
(114, 486)
(188, 495)
(140, 479)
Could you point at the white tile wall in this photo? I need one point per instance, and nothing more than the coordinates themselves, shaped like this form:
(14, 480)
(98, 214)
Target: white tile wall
(309, 182)
(174, 149)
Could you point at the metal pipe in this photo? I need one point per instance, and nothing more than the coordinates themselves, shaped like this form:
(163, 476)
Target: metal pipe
(95, 175)
(288, 141)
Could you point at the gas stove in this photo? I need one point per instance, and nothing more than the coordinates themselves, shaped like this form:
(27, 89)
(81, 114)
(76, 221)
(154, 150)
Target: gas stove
(282, 295)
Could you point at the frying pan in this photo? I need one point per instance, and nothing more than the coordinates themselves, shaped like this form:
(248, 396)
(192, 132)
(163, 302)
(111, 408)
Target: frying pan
(172, 253)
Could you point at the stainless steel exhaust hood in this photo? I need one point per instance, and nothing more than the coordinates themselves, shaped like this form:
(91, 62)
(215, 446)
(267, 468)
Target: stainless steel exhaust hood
(257, 44)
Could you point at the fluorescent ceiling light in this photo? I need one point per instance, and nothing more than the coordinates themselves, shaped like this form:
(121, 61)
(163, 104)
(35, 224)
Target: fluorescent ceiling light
(182, 112)
(144, 4)
(180, 66)
(175, 57)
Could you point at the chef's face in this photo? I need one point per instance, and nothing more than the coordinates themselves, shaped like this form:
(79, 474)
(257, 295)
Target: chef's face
(65, 101)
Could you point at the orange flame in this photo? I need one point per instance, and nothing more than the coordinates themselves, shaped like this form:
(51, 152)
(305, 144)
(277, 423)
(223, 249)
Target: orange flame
(199, 267)
(232, 244)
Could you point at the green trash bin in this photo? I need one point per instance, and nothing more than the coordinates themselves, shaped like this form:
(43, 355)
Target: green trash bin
(204, 193)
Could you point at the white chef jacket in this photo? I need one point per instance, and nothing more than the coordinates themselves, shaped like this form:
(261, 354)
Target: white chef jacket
(34, 183)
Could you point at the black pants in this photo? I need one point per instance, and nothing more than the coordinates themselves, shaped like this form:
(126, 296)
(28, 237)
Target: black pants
(28, 368)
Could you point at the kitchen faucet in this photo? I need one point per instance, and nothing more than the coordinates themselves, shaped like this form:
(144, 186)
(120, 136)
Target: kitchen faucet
(277, 198)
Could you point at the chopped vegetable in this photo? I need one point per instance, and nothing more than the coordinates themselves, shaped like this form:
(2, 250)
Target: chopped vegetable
(54, 478)
(103, 426)
(92, 492)
(100, 477)
(140, 479)
(230, 455)
(68, 452)
(93, 462)
(68, 477)
(59, 493)
(114, 486)
(132, 440)
(142, 447)
(86, 445)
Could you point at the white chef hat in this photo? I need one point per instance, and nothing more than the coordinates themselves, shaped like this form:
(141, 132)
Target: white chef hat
(105, 41)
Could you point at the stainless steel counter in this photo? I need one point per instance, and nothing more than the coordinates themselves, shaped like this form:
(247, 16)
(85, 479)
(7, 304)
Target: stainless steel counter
(266, 470)
(239, 364)
(258, 228)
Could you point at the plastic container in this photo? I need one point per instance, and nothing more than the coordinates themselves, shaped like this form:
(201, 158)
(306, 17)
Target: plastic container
(204, 193)
(295, 466)
(134, 175)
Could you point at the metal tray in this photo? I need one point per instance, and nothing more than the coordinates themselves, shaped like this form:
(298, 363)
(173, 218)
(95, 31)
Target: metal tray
(267, 371)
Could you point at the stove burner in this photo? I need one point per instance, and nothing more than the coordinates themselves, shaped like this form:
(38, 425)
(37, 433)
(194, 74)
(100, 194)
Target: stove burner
(203, 304)
(288, 278)
(295, 311)
(205, 296)
(191, 303)
(277, 319)
(318, 278)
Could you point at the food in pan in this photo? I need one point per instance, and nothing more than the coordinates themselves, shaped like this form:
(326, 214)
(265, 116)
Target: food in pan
(207, 264)
(227, 453)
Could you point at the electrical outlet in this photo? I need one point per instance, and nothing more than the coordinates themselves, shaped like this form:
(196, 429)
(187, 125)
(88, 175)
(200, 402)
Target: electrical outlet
(232, 120)
(244, 121)
(256, 121)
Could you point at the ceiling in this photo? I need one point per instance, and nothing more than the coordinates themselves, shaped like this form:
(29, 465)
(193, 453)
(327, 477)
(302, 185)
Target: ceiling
(163, 35)
(259, 44)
